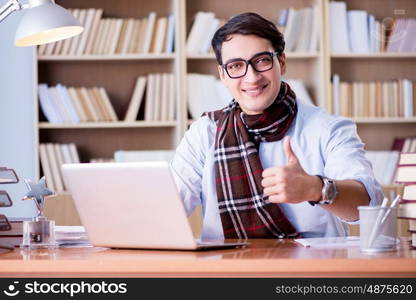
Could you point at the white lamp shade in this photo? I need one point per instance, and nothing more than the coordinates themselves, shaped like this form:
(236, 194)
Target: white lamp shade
(46, 23)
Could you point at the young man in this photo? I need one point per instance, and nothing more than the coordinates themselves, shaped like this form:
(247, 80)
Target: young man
(268, 166)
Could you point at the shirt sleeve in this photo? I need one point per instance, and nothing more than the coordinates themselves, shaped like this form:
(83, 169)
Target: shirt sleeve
(187, 166)
(345, 158)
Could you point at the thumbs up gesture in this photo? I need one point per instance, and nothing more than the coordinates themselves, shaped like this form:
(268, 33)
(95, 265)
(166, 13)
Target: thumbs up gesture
(290, 183)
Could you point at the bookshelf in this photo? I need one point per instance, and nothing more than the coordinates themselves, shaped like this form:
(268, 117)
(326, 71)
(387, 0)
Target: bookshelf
(118, 72)
(377, 133)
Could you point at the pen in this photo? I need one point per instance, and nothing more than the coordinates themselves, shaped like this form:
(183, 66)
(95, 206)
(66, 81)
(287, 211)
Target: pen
(375, 230)
(393, 205)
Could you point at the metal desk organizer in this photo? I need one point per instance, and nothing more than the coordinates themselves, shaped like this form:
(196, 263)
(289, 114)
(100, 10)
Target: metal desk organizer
(7, 176)
(39, 233)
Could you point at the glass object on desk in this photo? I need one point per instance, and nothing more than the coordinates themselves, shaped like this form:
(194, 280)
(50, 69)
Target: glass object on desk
(378, 229)
(39, 233)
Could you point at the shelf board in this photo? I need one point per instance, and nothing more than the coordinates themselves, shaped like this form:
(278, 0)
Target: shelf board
(121, 124)
(364, 120)
(376, 55)
(300, 55)
(111, 57)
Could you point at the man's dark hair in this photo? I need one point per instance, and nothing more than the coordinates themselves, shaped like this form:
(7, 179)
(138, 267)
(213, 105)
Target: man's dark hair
(248, 24)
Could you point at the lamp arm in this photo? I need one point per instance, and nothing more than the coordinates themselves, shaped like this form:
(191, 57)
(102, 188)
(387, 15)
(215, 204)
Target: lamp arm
(8, 8)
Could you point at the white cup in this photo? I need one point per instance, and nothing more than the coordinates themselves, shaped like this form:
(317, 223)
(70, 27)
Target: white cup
(377, 233)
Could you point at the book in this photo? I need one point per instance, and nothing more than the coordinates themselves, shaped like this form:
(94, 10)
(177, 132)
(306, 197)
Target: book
(141, 33)
(303, 40)
(67, 42)
(68, 103)
(110, 33)
(407, 158)
(358, 31)
(136, 99)
(53, 160)
(75, 40)
(316, 25)
(59, 105)
(150, 94)
(215, 24)
(157, 97)
(126, 36)
(46, 105)
(88, 24)
(98, 105)
(74, 153)
(66, 154)
(406, 174)
(199, 31)
(102, 94)
(338, 28)
(409, 193)
(292, 29)
(104, 36)
(59, 161)
(117, 24)
(77, 104)
(170, 36)
(407, 210)
(160, 35)
(149, 35)
(171, 98)
(94, 31)
(164, 98)
(90, 104)
(46, 167)
(99, 37)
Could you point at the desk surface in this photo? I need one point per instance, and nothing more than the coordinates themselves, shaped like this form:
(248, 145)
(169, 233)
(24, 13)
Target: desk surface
(262, 258)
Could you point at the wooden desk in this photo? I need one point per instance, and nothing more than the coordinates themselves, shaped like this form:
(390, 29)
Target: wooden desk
(263, 258)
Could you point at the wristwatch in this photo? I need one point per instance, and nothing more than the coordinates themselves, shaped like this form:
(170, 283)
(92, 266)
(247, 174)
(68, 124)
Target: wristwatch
(329, 191)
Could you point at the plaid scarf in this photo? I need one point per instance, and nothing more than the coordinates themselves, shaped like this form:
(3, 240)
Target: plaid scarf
(245, 212)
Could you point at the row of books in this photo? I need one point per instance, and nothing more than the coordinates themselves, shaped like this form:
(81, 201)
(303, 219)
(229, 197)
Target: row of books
(374, 98)
(300, 28)
(150, 34)
(61, 104)
(202, 30)
(406, 174)
(357, 31)
(158, 91)
(208, 93)
(52, 157)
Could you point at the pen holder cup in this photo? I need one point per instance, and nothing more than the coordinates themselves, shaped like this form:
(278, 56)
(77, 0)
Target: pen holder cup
(378, 229)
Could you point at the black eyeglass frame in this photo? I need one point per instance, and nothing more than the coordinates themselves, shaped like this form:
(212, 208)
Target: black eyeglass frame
(249, 62)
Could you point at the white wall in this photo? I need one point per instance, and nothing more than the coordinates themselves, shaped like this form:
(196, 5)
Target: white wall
(18, 115)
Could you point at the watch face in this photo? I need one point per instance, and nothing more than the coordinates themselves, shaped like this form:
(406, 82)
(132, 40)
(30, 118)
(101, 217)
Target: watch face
(332, 191)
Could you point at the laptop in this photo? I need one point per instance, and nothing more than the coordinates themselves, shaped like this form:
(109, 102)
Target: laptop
(132, 205)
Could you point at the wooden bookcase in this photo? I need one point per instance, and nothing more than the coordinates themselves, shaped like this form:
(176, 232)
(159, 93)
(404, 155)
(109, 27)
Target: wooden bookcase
(117, 73)
(376, 133)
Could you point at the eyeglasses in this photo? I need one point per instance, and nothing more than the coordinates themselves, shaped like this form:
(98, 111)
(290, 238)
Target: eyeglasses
(260, 62)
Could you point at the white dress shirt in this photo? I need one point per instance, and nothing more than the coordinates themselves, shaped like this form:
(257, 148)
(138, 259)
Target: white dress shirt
(324, 144)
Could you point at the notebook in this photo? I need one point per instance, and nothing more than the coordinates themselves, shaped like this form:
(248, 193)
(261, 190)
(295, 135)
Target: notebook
(132, 205)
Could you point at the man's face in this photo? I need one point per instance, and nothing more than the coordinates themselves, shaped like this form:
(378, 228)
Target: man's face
(256, 90)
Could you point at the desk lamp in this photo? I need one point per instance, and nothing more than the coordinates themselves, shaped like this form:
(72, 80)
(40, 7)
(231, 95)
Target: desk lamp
(44, 22)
